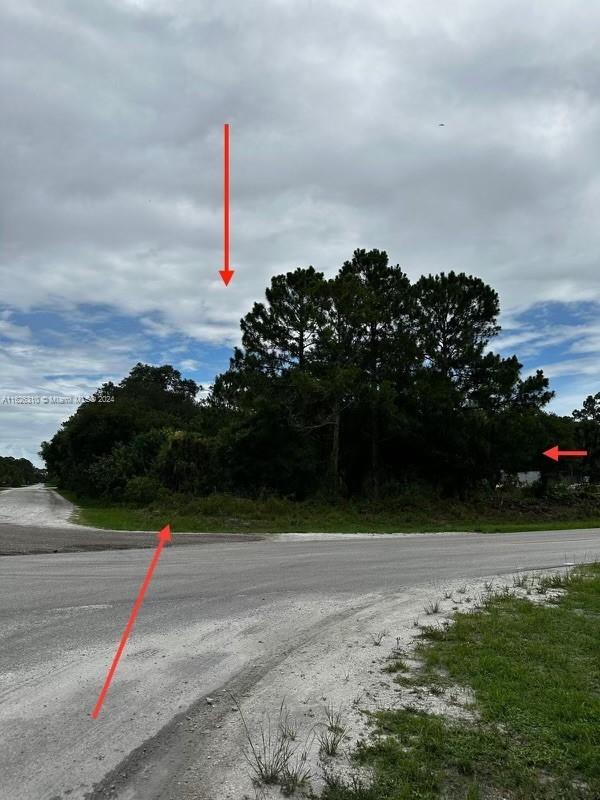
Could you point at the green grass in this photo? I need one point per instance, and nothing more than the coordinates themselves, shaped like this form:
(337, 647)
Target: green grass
(225, 513)
(397, 665)
(535, 673)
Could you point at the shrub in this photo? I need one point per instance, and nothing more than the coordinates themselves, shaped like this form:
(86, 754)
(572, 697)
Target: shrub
(141, 490)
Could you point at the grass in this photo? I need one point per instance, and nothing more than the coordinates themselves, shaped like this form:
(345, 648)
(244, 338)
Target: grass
(333, 733)
(535, 673)
(272, 755)
(397, 665)
(410, 514)
(432, 607)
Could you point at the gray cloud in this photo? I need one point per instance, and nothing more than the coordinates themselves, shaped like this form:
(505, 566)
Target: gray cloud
(110, 148)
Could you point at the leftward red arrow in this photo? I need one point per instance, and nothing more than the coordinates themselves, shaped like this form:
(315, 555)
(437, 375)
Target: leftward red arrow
(163, 537)
(226, 273)
(554, 453)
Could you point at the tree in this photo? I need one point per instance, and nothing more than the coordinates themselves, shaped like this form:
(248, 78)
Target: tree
(377, 304)
(282, 333)
(468, 401)
(588, 432)
(105, 444)
(338, 367)
(354, 384)
(18, 472)
(456, 318)
(160, 382)
(273, 381)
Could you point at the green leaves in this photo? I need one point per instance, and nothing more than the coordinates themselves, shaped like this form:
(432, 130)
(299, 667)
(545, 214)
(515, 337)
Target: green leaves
(18, 472)
(341, 386)
(283, 333)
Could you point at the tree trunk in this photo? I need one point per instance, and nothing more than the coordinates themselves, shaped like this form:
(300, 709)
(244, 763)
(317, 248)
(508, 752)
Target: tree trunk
(374, 412)
(335, 447)
(374, 452)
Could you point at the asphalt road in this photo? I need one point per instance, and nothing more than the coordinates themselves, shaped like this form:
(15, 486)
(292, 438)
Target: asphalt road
(215, 614)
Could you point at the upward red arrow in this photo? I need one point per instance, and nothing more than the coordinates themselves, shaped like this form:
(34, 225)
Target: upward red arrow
(163, 537)
(226, 273)
(554, 453)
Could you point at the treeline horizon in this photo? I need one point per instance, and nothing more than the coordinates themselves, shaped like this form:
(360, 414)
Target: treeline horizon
(18, 472)
(360, 385)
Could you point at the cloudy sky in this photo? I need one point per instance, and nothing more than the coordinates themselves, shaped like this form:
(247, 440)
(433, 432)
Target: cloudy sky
(110, 165)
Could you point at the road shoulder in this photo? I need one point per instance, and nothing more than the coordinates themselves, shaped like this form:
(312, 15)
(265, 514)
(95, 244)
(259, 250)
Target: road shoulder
(19, 540)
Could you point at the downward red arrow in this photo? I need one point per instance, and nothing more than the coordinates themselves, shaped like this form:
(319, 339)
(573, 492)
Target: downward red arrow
(163, 537)
(554, 453)
(226, 273)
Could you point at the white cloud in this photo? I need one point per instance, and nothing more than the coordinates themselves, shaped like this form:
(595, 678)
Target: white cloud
(579, 366)
(30, 372)
(9, 330)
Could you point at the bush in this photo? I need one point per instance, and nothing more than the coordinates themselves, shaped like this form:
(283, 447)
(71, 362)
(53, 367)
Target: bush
(185, 463)
(141, 491)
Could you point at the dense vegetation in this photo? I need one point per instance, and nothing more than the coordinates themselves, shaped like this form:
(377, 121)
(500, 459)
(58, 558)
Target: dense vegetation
(18, 472)
(357, 386)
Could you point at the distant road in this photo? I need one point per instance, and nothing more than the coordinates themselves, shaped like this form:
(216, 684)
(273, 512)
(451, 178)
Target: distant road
(215, 614)
(35, 505)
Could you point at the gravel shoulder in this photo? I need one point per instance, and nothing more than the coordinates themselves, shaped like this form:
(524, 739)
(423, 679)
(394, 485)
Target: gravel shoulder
(339, 664)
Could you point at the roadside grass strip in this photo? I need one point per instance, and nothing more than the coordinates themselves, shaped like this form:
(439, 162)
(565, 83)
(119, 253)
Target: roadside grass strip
(534, 729)
(228, 514)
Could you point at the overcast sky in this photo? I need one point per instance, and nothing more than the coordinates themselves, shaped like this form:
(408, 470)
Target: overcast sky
(110, 174)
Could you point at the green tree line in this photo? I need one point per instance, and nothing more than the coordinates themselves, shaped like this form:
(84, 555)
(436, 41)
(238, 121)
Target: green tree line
(18, 472)
(357, 385)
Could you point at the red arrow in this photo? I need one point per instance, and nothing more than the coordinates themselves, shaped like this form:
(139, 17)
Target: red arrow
(554, 453)
(163, 537)
(226, 273)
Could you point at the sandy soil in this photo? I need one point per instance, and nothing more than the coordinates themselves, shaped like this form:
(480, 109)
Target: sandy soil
(341, 669)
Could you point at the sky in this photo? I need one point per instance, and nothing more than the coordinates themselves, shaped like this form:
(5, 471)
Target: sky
(111, 188)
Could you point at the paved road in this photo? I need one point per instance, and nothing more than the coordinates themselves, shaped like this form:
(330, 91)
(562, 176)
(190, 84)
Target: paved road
(35, 505)
(215, 613)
